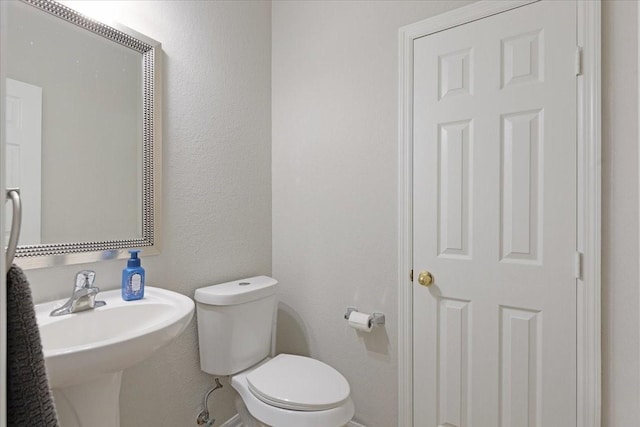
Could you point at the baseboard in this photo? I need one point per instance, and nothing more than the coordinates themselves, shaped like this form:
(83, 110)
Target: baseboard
(235, 422)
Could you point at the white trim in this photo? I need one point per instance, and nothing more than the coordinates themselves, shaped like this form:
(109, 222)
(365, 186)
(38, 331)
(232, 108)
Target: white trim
(589, 112)
(460, 16)
(405, 230)
(589, 295)
(235, 422)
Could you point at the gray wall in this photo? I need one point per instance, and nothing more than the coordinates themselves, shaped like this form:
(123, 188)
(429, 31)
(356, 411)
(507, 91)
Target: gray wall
(216, 184)
(620, 290)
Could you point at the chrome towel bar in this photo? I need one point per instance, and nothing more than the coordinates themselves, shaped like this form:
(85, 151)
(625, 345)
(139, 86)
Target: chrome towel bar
(13, 194)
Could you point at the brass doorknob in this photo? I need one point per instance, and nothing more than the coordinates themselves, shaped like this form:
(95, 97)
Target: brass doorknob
(425, 278)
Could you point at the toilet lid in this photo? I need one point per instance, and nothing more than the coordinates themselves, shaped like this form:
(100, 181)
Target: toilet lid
(298, 383)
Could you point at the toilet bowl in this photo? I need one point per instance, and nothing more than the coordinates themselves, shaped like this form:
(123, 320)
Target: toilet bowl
(235, 330)
(276, 394)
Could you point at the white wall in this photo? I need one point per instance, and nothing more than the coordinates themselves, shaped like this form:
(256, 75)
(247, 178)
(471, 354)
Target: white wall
(334, 142)
(216, 184)
(335, 188)
(620, 289)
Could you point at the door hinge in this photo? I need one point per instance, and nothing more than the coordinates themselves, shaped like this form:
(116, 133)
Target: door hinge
(577, 265)
(578, 61)
(411, 275)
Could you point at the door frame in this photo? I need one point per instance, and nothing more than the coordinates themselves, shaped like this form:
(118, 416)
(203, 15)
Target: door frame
(588, 284)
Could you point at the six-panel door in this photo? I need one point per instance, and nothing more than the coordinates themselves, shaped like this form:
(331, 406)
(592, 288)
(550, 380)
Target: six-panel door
(495, 221)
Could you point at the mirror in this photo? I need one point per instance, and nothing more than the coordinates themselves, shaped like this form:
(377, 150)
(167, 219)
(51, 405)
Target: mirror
(81, 133)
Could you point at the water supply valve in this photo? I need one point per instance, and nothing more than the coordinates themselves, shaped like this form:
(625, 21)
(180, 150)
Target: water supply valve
(203, 417)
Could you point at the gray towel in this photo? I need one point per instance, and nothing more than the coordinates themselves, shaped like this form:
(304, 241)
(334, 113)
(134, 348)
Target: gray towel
(29, 401)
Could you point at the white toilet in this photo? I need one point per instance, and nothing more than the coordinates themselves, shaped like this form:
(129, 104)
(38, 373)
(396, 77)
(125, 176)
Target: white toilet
(235, 329)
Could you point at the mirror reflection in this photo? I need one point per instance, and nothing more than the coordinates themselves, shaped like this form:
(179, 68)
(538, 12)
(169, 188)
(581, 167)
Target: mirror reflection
(74, 130)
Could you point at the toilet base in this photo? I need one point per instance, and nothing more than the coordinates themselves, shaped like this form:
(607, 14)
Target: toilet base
(247, 419)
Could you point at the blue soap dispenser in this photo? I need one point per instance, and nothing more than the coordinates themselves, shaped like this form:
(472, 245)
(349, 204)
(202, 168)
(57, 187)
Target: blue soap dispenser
(133, 278)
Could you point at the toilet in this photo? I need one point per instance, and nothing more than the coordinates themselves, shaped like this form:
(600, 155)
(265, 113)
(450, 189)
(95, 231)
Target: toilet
(235, 331)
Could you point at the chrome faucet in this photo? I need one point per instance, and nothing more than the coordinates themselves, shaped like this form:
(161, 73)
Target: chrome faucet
(83, 296)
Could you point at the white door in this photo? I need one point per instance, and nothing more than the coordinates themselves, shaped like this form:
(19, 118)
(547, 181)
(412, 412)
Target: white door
(494, 219)
(23, 150)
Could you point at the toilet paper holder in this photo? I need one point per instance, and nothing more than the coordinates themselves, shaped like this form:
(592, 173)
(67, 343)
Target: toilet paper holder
(374, 319)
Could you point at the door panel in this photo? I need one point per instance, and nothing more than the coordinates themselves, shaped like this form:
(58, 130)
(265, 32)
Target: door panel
(495, 221)
(23, 118)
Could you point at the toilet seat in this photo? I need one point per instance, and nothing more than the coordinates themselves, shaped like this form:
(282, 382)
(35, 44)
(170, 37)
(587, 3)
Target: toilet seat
(272, 415)
(298, 383)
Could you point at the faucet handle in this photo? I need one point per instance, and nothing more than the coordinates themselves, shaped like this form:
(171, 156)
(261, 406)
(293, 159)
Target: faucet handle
(85, 279)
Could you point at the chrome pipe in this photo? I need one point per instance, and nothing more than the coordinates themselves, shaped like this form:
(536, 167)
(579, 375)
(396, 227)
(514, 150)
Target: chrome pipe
(13, 194)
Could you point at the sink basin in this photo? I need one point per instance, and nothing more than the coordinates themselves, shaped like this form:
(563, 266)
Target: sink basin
(111, 338)
(86, 352)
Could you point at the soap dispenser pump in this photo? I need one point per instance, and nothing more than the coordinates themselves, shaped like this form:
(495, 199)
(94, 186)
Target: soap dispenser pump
(133, 278)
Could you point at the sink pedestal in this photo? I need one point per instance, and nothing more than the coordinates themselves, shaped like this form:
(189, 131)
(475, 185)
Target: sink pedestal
(95, 403)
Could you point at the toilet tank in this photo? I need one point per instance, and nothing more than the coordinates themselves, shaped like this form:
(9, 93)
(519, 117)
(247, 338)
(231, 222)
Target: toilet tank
(235, 323)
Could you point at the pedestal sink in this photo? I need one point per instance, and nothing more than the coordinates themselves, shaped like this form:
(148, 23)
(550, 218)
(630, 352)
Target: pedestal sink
(86, 352)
